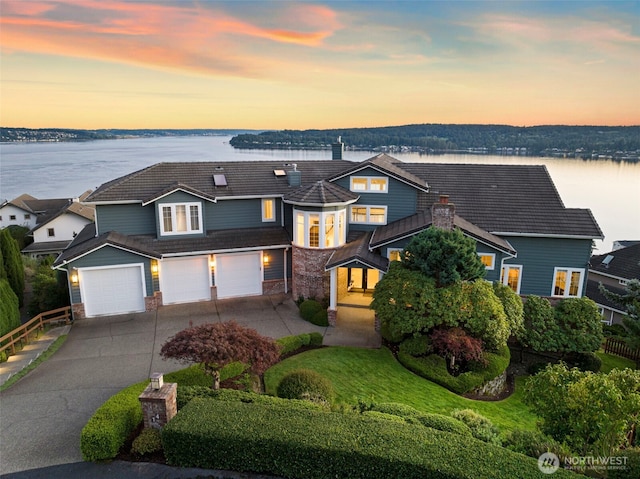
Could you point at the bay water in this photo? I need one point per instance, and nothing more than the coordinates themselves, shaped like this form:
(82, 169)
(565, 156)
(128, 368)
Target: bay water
(611, 190)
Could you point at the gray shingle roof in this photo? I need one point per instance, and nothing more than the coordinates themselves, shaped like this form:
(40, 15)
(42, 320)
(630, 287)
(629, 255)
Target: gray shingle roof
(422, 220)
(357, 251)
(593, 292)
(624, 263)
(321, 193)
(518, 199)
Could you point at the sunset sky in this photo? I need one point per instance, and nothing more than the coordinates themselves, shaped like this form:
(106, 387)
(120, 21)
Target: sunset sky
(300, 64)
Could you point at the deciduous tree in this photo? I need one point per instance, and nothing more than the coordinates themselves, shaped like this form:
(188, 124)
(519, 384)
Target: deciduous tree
(630, 299)
(214, 345)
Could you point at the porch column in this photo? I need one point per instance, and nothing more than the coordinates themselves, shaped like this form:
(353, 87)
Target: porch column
(332, 312)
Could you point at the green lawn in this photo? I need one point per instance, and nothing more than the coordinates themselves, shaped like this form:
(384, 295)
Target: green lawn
(610, 361)
(375, 375)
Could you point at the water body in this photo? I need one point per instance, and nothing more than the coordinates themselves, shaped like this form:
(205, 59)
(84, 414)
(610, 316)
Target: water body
(611, 190)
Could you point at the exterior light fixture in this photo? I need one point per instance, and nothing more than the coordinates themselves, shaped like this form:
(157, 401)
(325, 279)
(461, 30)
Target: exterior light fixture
(74, 276)
(156, 381)
(212, 263)
(154, 267)
(265, 259)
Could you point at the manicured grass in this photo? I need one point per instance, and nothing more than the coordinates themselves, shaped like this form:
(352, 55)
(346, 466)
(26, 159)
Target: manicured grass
(43, 357)
(610, 361)
(375, 375)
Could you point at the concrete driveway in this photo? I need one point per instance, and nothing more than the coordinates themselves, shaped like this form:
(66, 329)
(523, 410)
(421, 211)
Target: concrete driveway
(42, 415)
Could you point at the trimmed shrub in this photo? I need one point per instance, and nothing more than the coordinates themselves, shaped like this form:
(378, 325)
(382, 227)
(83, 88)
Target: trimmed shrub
(584, 361)
(289, 344)
(631, 458)
(320, 318)
(434, 368)
(384, 416)
(187, 393)
(481, 427)
(417, 345)
(147, 442)
(315, 339)
(309, 308)
(322, 444)
(108, 429)
(533, 443)
(306, 384)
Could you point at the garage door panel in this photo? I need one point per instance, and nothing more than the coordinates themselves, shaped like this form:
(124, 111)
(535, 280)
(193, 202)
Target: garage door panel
(238, 275)
(108, 291)
(185, 280)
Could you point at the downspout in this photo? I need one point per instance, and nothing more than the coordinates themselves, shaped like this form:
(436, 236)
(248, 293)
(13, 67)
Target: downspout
(286, 286)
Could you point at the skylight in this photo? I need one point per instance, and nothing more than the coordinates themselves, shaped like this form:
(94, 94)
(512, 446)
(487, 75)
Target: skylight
(219, 180)
(279, 173)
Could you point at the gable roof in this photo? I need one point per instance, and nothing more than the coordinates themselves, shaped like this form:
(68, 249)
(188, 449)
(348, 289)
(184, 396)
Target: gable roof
(420, 221)
(35, 206)
(389, 166)
(593, 292)
(321, 193)
(623, 263)
(357, 251)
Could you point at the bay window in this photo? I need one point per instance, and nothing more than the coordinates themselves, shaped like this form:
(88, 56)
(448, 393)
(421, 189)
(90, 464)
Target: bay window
(318, 229)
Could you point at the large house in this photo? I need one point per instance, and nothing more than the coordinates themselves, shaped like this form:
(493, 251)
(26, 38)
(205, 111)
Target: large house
(185, 232)
(613, 270)
(53, 222)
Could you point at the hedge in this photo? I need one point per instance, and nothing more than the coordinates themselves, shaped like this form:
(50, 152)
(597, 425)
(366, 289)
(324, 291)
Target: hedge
(434, 368)
(108, 429)
(313, 444)
(434, 421)
(290, 344)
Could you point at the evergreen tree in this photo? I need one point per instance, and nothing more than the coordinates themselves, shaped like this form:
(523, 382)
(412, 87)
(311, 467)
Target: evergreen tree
(9, 310)
(13, 264)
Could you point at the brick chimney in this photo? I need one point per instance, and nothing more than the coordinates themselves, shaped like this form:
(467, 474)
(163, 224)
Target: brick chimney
(442, 213)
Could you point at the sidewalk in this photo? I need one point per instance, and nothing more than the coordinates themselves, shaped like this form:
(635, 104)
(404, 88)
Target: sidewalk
(30, 353)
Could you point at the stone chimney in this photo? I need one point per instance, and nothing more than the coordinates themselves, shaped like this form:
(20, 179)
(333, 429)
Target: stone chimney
(442, 213)
(294, 177)
(337, 149)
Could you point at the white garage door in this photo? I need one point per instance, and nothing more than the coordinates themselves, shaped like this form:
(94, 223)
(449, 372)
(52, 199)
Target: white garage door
(185, 280)
(115, 290)
(238, 274)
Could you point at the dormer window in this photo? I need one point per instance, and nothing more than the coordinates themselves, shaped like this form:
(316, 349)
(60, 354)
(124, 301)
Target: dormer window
(180, 218)
(369, 184)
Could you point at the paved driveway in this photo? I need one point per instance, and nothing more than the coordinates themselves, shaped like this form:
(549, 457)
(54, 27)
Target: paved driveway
(41, 416)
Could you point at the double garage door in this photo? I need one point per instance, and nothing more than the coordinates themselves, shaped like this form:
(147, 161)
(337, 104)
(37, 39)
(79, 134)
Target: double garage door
(186, 280)
(116, 290)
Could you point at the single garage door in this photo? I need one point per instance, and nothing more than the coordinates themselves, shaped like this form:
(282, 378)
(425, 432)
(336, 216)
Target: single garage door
(185, 280)
(238, 274)
(117, 290)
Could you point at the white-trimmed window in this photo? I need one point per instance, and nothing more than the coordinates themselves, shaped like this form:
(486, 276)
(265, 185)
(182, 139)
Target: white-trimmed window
(363, 214)
(512, 276)
(268, 209)
(567, 282)
(394, 254)
(319, 229)
(180, 218)
(488, 260)
(370, 184)
(27, 216)
(51, 233)
(623, 282)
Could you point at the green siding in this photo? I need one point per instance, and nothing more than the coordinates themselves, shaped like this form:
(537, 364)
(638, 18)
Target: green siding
(109, 256)
(539, 257)
(133, 219)
(180, 197)
(275, 268)
(228, 214)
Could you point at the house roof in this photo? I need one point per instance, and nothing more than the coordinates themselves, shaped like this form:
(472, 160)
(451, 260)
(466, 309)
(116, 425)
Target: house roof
(501, 199)
(37, 207)
(148, 245)
(593, 292)
(422, 220)
(357, 251)
(321, 193)
(243, 179)
(46, 247)
(623, 263)
(506, 199)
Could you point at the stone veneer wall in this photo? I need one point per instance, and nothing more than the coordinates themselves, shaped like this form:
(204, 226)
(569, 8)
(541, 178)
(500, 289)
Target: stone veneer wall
(159, 406)
(310, 280)
(273, 286)
(493, 387)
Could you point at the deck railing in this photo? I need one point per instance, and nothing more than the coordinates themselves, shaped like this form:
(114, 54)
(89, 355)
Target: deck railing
(22, 334)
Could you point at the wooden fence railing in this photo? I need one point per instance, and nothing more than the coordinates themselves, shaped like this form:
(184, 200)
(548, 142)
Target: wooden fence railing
(620, 348)
(21, 334)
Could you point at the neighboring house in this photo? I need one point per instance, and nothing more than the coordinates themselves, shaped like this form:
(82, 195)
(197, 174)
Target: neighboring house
(614, 270)
(183, 232)
(53, 223)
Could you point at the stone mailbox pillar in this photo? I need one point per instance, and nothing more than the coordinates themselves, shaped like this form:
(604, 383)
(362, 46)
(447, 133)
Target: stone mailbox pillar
(158, 405)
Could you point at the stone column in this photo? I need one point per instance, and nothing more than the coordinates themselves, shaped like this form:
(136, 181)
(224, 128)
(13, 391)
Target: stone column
(159, 405)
